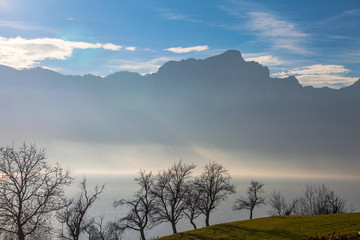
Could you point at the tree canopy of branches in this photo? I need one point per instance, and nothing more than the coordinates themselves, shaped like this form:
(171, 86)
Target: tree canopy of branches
(169, 190)
(254, 198)
(30, 191)
(279, 206)
(214, 186)
(192, 204)
(73, 216)
(318, 200)
(141, 206)
(99, 230)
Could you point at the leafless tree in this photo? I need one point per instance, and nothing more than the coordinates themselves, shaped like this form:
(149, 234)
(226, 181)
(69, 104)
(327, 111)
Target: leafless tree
(99, 230)
(214, 187)
(141, 206)
(74, 215)
(335, 203)
(30, 191)
(169, 190)
(318, 200)
(254, 198)
(192, 204)
(279, 206)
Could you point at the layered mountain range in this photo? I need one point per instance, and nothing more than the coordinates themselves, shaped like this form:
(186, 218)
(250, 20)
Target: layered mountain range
(222, 101)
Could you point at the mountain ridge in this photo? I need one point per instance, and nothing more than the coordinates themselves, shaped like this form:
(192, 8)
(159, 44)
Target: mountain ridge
(221, 102)
(230, 59)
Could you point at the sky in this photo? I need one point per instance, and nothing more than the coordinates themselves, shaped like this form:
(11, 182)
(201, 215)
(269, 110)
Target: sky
(316, 41)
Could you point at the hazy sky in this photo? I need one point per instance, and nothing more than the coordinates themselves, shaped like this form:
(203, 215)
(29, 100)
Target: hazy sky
(317, 41)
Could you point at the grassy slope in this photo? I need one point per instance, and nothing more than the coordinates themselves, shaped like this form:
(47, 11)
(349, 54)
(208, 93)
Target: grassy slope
(286, 227)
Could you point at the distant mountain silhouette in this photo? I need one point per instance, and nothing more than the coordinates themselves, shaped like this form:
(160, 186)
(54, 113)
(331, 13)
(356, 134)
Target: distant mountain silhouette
(222, 101)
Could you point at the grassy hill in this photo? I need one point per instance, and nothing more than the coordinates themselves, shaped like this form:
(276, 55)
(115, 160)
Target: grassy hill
(284, 227)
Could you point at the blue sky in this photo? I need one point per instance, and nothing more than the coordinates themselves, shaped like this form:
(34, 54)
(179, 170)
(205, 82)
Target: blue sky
(317, 41)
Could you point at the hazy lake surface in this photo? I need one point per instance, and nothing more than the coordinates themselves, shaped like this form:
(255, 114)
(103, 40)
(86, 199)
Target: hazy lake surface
(118, 187)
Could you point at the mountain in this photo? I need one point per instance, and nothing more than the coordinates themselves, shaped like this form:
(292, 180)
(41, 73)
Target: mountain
(220, 102)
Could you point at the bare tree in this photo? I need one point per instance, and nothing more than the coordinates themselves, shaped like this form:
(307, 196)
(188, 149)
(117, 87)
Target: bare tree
(318, 200)
(99, 230)
(192, 204)
(74, 215)
(279, 206)
(254, 198)
(141, 206)
(170, 189)
(30, 191)
(214, 186)
(335, 203)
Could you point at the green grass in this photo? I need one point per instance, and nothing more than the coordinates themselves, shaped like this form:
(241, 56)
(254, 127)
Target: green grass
(284, 227)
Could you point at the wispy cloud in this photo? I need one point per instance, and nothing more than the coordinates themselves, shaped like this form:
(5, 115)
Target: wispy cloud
(319, 75)
(24, 26)
(282, 33)
(142, 67)
(23, 53)
(171, 15)
(187, 49)
(319, 69)
(334, 20)
(271, 26)
(277, 30)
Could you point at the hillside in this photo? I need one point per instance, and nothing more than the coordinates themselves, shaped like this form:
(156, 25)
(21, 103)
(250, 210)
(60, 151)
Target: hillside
(284, 227)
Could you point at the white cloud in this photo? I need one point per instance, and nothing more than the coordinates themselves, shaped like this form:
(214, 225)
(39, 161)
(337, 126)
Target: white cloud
(70, 19)
(325, 80)
(142, 67)
(130, 48)
(266, 60)
(112, 47)
(187, 49)
(23, 53)
(319, 75)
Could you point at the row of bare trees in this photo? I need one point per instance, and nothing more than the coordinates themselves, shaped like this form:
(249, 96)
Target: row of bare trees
(316, 200)
(32, 192)
(172, 195)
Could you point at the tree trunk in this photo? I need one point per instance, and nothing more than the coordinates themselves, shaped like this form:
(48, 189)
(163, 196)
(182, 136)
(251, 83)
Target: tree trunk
(173, 225)
(142, 234)
(251, 213)
(192, 223)
(207, 219)
(21, 234)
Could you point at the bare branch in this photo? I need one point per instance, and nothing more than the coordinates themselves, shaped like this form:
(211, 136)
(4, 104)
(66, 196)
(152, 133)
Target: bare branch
(74, 215)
